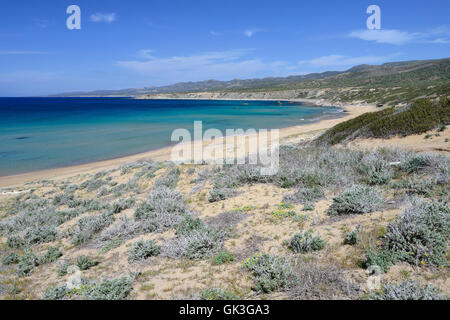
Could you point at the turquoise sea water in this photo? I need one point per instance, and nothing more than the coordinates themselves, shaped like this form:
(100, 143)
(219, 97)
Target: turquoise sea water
(43, 133)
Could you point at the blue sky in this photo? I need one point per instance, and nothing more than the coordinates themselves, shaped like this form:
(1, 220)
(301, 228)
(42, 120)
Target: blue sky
(124, 44)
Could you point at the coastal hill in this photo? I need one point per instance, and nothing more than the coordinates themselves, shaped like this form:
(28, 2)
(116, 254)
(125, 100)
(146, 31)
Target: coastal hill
(389, 83)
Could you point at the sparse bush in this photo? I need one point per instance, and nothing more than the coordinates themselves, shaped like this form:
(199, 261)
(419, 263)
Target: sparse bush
(352, 237)
(382, 258)
(317, 282)
(221, 258)
(125, 229)
(114, 289)
(407, 290)
(85, 263)
(375, 171)
(10, 258)
(188, 225)
(416, 163)
(37, 235)
(62, 268)
(305, 242)
(217, 294)
(55, 293)
(421, 233)
(142, 250)
(197, 244)
(413, 185)
(164, 209)
(269, 272)
(221, 193)
(52, 254)
(305, 195)
(26, 264)
(356, 200)
(88, 226)
(169, 180)
(15, 242)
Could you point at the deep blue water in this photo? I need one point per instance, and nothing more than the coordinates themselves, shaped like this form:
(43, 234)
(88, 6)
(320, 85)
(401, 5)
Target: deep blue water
(43, 133)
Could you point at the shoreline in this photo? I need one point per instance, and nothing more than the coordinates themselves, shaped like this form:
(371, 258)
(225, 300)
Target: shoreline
(163, 154)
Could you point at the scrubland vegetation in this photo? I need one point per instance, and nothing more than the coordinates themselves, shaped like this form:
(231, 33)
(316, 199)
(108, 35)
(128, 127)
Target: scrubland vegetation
(314, 230)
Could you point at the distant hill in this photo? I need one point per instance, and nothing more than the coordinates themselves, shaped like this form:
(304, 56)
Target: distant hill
(407, 74)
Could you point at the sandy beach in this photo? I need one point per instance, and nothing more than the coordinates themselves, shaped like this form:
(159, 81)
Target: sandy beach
(299, 132)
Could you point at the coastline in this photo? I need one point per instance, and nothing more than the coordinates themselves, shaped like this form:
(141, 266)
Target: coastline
(300, 132)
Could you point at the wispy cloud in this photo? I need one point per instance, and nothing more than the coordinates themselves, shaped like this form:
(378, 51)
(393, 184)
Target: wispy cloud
(336, 60)
(208, 65)
(103, 17)
(42, 23)
(214, 33)
(250, 32)
(21, 52)
(398, 37)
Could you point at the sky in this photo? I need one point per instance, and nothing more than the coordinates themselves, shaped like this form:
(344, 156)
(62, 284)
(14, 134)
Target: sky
(127, 44)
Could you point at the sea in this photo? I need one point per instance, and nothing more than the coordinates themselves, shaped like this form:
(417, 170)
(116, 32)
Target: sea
(45, 133)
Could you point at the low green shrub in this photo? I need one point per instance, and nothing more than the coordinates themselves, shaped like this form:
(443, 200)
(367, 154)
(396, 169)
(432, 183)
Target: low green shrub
(217, 294)
(10, 258)
(85, 263)
(142, 250)
(222, 257)
(305, 242)
(26, 264)
(52, 254)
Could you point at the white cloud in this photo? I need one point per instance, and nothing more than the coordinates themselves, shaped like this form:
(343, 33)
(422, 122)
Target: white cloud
(103, 17)
(214, 33)
(397, 37)
(336, 60)
(219, 65)
(250, 32)
(21, 52)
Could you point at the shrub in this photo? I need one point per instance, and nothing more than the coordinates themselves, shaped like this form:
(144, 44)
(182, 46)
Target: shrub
(55, 293)
(62, 268)
(269, 272)
(125, 229)
(169, 180)
(52, 254)
(382, 258)
(305, 242)
(416, 163)
(221, 258)
(114, 289)
(85, 263)
(15, 242)
(356, 200)
(10, 258)
(420, 116)
(421, 233)
(407, 290)
(37, 235)
(217, 294)
(305, 195)
(88, 226)
(375, 171)
(142, 250)
(197, 244)
(352, 237)
(321, 282)
(221, 193)
(163, 209)
(26, 264)
(413, 185)
(188, 225)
